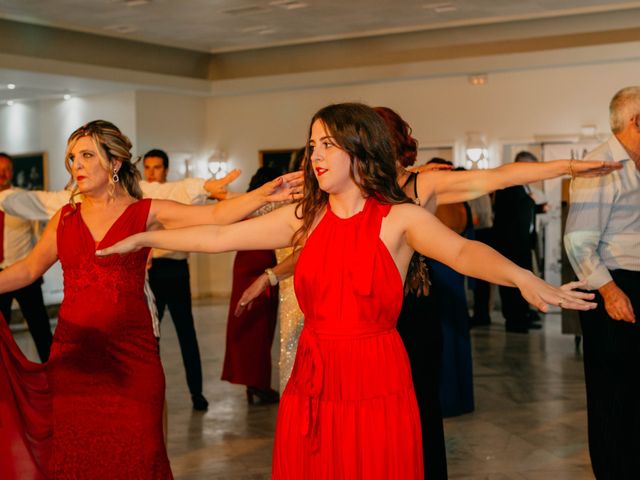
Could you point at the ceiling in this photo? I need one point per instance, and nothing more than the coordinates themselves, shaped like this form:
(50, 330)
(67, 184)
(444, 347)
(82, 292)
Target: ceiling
(231, 25)
(240, 26)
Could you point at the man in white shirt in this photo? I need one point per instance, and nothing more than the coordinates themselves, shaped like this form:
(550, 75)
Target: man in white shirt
(17, 238)
(169, 281)
(602, 241)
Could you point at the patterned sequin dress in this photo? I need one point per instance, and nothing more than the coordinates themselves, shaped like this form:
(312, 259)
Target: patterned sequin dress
(94, 411)
(349, 410)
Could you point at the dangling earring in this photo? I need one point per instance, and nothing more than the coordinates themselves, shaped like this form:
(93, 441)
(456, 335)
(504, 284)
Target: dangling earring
(115, 177)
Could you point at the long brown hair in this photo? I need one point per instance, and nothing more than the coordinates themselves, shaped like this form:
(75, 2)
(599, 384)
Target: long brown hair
(363, 135)
(116, 146)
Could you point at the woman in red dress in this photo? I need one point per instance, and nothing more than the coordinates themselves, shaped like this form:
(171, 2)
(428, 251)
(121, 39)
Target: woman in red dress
(94, 410)
(349, 410)
(247, 355)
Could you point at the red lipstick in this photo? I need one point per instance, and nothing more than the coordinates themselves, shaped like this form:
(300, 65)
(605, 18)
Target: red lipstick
(320, 171)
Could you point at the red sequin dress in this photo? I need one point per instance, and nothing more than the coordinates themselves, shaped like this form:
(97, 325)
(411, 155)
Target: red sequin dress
(94, 410)
(349, 410)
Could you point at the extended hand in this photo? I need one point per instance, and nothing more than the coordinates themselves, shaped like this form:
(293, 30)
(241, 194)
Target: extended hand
(617, 304)
(126, 245)
(591, 168)
(254, 290)
(285, 187)
(540, 294)
(217, 187)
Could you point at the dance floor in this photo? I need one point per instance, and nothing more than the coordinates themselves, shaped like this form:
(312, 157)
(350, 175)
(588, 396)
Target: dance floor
(529, 423)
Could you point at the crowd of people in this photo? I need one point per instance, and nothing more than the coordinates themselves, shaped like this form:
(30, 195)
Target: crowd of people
(378, 248)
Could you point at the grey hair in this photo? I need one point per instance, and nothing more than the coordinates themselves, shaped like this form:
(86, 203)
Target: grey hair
(624, 105)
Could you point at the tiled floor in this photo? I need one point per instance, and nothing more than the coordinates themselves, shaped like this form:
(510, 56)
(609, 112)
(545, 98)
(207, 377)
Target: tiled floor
(529, 423)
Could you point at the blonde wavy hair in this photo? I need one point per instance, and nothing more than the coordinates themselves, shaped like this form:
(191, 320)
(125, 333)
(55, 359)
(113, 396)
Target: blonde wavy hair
(109, 139)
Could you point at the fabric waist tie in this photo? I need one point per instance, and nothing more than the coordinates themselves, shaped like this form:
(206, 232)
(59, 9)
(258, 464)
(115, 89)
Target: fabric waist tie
(311, 384)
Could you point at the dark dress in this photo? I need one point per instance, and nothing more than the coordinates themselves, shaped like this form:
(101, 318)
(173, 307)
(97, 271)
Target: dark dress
(421, 333)
(94, 410)
(247, 358)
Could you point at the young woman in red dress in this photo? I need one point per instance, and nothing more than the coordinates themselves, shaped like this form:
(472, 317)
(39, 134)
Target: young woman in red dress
(94, 410)
(349, 409)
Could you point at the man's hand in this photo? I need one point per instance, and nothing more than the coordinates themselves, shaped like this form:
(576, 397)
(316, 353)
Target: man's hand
(217, 187)
(617, 303)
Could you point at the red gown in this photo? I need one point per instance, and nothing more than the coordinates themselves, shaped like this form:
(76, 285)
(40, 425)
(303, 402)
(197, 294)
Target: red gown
(349, 410)
(94, 410)
(247, 356)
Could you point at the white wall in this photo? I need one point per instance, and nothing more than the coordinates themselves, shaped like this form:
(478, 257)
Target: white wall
(514, 106)
(19, 128)
(177, 124)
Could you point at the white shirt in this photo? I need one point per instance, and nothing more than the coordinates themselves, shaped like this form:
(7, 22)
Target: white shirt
(19, 235)
(603, 227)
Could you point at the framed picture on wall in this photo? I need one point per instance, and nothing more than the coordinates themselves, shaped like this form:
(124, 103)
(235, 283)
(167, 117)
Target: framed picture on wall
(428, 152)
(30, 171)
(278, 159)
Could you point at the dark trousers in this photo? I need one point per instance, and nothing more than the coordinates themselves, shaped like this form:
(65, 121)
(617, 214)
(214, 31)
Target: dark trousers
(31, 304)
(611, 359)
(421, 333)
(169, 281)
(482, 290)
(515, 309)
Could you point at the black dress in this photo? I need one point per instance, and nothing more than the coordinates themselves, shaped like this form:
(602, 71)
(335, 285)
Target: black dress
(421, 333)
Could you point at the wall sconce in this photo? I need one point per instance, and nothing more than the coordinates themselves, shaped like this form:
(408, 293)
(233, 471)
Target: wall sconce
(218, 164)
(476, 151)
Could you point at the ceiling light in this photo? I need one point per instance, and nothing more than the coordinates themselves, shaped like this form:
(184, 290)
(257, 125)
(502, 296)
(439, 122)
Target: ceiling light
(11, 86)
(136, 3)
(440, 7)
(10, 102)
(479, 79)
(66, 96)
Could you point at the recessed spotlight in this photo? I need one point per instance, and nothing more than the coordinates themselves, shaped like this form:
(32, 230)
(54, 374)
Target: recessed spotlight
(66, 96)
(440, 7)
(10, 103)
(479, 79)
(136, 3)
(11, 86)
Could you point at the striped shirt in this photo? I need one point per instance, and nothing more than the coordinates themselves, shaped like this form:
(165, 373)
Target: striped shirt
(603, 227)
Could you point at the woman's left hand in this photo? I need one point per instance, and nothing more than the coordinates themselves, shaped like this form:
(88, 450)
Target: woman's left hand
(540, 294)
(127, 245)
(285, 187)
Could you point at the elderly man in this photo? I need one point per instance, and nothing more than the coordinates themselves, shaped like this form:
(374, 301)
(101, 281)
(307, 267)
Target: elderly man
(17, 238)
(603, 244)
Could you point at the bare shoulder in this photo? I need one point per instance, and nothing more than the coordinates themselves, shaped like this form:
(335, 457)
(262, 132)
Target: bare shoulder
(407, 212)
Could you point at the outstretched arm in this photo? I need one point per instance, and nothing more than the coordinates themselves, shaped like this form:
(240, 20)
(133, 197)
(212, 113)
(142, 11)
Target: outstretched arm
(460, 186)
(427, 235)
(169, 214)
(282, 270)
(266, 232)
(34, 204)
(33, 266)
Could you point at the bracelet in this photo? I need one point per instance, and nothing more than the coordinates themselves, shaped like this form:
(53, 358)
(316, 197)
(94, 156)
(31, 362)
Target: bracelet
(273, 279)
(571, 172)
